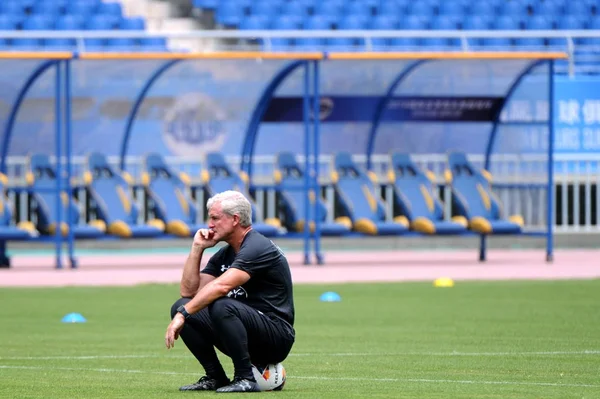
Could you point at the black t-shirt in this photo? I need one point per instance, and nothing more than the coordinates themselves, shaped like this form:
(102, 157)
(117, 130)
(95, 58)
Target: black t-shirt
(269, 289)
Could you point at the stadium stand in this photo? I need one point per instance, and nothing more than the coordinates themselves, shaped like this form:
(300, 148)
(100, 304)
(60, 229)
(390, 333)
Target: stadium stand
(72, 15)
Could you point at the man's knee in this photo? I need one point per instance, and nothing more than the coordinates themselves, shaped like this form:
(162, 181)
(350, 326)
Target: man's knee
(221, 308)
(178, 303)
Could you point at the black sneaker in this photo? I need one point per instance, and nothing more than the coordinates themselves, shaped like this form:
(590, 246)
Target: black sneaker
(205, 384)
(240, 385)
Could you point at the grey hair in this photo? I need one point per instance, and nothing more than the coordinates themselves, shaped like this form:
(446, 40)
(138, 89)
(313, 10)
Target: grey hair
(233, 203)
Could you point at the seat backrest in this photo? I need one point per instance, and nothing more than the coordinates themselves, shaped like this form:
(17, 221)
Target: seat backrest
(42, 182)
(221, 177)
(110, 191)
(472, 188)
(355, 190)
(168, 191)
(414, 189)
(5, 211)
(290, 185)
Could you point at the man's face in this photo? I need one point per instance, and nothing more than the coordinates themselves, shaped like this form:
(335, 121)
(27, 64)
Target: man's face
(221, 223)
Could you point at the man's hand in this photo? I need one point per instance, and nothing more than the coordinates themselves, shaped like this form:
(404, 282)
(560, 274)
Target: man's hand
(173, 330)
(204, 238)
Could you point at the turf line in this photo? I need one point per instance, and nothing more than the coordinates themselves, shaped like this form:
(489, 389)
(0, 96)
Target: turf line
(419, 380)
(357, 354)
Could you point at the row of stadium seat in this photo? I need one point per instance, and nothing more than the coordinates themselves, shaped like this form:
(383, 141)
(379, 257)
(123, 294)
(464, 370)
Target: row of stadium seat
(72, 15)
(172, 209)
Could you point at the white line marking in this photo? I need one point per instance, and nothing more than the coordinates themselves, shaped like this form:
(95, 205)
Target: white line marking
(104, 370)
(349, 354)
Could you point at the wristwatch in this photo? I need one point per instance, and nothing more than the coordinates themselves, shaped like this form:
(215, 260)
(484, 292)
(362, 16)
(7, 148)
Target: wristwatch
(184, 312)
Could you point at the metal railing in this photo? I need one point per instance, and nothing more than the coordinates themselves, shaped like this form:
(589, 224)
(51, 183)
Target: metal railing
(216, 40)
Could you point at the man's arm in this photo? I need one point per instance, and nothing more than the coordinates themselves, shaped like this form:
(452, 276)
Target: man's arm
(216, 289)
(190, 279)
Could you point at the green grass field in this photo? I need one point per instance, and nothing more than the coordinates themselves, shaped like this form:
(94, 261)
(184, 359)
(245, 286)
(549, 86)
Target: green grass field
(476, 340)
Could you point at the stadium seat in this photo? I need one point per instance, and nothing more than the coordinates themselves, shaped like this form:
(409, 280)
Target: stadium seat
(414, 194)
(8, 230)
(65, 22)
(537, 22)
(219, 177)
(42, 183)
(112, 202)
(475, 200)
(289, 183)
(229, 14)
(170, 197)
(358, 199)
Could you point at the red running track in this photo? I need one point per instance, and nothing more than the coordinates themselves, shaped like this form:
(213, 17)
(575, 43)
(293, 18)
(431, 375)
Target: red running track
(340, 267)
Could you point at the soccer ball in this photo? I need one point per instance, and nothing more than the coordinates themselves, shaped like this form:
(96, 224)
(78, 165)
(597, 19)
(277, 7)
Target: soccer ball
(270, 378)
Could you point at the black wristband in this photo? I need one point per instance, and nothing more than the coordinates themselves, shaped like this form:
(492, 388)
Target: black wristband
(184, 312)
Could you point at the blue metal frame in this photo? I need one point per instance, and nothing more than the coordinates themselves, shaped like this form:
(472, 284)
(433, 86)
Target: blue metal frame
(307, 168)
(134, 110)
(383, 104)
(494, 132)
(58, 239)
(68, 155)
(550, 216)
(317, 150)
(259, 111)
(12, 116)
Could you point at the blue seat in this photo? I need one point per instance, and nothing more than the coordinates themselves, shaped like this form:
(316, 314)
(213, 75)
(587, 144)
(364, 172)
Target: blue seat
(289, 183)
(229, 14)
(255, 22)
(391, 9)
(359, 200)
(170, 197)
(484, 9)
(34, 22)
(329, 8)
(127, 43)
(49, 9)
(12, 8)
(294, 8)
(98, 22)
(349, 22)
(82, 8)
(577, 8)
(112, 202)
(153, 44)
(358, 8)
(455, 7)
(219, 177)
(316, 22)
(266, 8)
(110, 9)
(42, 182)
(503, 22)
(8, 230)
(422, 8)
(475, 200)
(65, 22)
(513, 8)
(537, 22)
(411, 22)
(443, 22)
(414, 193)
(382, 22)
(549, 8)
(210, 5)
(284, 22)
